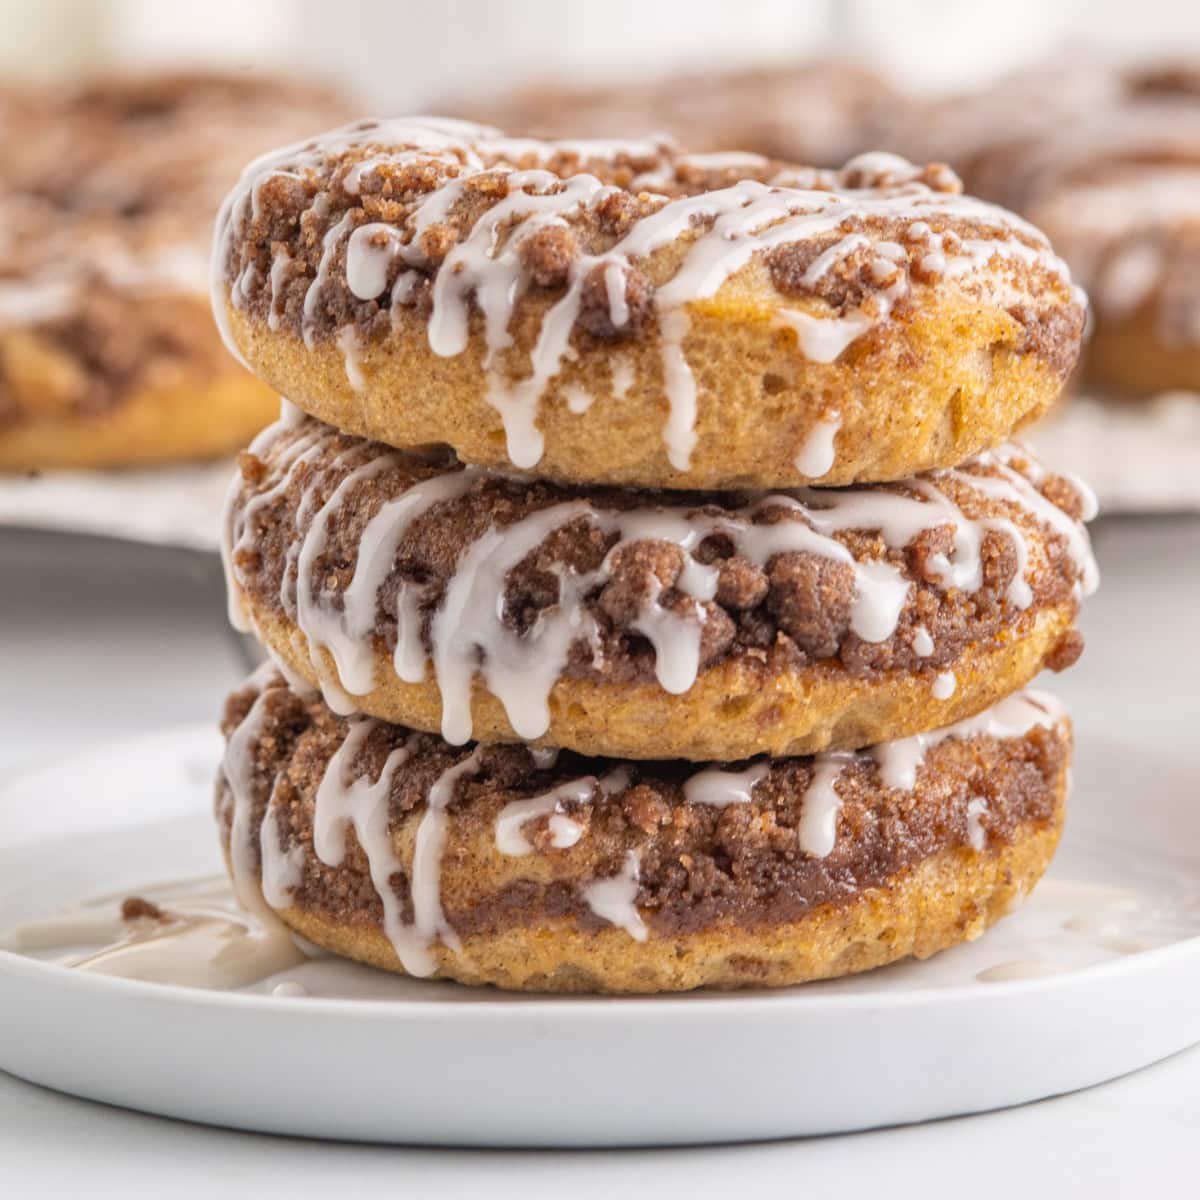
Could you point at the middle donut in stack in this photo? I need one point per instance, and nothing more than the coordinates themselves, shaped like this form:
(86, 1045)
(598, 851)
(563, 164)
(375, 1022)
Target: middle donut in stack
(664, 339)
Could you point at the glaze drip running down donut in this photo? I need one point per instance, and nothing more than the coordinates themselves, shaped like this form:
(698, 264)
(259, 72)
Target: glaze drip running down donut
(487, 865)
(374, 574)
(619, 312)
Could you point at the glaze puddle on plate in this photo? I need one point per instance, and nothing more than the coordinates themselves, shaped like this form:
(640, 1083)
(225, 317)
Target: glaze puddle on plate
(203, 938)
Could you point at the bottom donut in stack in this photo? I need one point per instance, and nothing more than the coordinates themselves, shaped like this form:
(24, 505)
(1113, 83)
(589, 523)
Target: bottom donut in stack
(537, 869)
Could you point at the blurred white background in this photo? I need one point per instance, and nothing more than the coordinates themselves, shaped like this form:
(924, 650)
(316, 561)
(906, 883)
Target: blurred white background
(402, 53)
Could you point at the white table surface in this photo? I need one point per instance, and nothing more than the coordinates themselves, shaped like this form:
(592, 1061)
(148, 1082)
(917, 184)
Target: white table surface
(99, 640)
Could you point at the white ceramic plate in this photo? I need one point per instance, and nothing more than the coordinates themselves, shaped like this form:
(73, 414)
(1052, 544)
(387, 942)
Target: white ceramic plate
(1112, 937)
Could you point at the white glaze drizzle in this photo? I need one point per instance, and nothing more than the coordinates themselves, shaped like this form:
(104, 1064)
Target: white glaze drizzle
(199, 937)
(429, 918)
(348, 343)
(236, 526)
(311, 615)
(816, 835)
(614, 899)
(344, 802)
(347, 633)
(976, 833)
(363, 804)
(679, 433)
(564, 833)
(238, 799)
(468, 619)
(725, 229)
(817, 832)
(922, 642)
(215, 949)
(817, 455)
(282, 869)
(898, 761)
(1013, 486)
(1021, 969)
(578, 401)
(719, 788)
(290, 415)
(469, 637)
(623, 377)
(295, 681)
(280, 263)
(1013, 716)
(944, 686)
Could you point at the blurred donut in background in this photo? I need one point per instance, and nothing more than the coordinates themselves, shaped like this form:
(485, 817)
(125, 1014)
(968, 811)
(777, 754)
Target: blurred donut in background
(1105, 159)
(814, 112)
(1107, 162)
(108, 189)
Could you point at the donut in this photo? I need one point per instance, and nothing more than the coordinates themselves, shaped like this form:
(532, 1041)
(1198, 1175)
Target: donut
(622, 313)
(1134, 238)
(108, 371)
(108, 356)
(651, 625)
(1117, 190)
(986, 134)
(1120, 191)
(543, 871)
(843, 106)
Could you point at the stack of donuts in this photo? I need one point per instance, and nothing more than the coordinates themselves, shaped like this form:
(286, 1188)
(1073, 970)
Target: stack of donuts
(648, 583)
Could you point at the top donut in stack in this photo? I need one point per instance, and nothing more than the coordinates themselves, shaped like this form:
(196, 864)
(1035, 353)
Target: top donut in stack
(625, 314)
